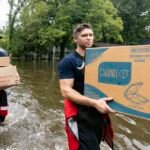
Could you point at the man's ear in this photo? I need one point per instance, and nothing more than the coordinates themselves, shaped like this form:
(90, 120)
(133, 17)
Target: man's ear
(74, 39)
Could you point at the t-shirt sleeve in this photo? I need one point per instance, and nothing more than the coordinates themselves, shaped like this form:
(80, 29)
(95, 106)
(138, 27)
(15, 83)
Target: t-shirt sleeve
(65, 69)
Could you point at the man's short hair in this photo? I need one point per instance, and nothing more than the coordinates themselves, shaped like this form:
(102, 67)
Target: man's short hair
(81, 27)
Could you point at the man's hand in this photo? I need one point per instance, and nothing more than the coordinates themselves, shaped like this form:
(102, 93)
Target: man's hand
(102, 106)
(17, 80)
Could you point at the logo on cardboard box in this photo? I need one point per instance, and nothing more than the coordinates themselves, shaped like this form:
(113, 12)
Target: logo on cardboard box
(118, 73)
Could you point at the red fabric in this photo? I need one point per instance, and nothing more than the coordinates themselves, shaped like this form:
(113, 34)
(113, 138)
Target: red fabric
(73, 143)
(108, 131)
(3, 103)
(3, 112)
(70, 110)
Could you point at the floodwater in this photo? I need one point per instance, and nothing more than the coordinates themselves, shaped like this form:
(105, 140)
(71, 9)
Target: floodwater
(36, 120)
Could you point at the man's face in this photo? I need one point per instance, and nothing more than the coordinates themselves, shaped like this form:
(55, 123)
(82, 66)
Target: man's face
(84, 39)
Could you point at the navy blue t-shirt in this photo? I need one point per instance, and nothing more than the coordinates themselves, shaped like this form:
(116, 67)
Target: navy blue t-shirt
(72, 67)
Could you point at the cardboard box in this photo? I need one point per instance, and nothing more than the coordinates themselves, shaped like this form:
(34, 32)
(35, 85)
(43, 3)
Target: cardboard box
(121, 72)
(8, 76)
(4, 61)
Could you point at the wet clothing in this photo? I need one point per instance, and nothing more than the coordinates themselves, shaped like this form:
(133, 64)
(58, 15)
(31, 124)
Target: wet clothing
(84, 125)
(3, 105)
(70, 67)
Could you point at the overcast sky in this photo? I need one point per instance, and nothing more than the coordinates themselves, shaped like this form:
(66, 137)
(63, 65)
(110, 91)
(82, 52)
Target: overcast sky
(4, 9)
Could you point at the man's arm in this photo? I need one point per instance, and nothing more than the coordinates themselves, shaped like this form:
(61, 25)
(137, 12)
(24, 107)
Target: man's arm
(68, 92)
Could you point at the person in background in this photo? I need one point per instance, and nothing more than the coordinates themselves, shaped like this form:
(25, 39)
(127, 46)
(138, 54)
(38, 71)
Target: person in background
(3, 93)
(3, 96)
(87, 120)
(3, 106)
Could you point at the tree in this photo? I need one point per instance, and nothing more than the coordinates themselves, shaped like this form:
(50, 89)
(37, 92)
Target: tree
(106, 23)
(3, 39)
(15, 7)
(136, 17)
(100, 13)
(38, 24)
(44, 24)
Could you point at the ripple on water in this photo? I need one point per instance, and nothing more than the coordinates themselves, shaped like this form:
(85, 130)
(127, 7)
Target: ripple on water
(128, 119)
(17, 112)
(122, 142)
(125, 129)
(141, 146)
(29, 126)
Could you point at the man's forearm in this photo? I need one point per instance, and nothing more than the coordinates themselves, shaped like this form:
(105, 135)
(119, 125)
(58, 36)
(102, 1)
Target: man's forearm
(77, 98)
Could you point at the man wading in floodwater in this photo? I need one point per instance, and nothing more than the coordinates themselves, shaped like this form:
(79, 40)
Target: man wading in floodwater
(87, 121)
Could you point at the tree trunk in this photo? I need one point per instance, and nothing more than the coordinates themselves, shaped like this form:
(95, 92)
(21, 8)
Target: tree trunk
(12, 17)
(50, 53)
(62, 49)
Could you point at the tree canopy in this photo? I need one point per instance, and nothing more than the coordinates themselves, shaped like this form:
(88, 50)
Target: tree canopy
(37, 26)
(136, 19)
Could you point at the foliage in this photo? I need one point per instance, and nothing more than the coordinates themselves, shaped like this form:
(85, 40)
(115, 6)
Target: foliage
(136, 19)
(3, 39)
(39, 25)
(15, 7)
(106, 23)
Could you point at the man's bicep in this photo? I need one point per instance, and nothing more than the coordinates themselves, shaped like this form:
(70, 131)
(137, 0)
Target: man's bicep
(65, 69)
(66, 83)
(66, 86)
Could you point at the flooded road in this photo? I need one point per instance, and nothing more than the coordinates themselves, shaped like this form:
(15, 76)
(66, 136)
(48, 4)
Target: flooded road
(36, 121)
